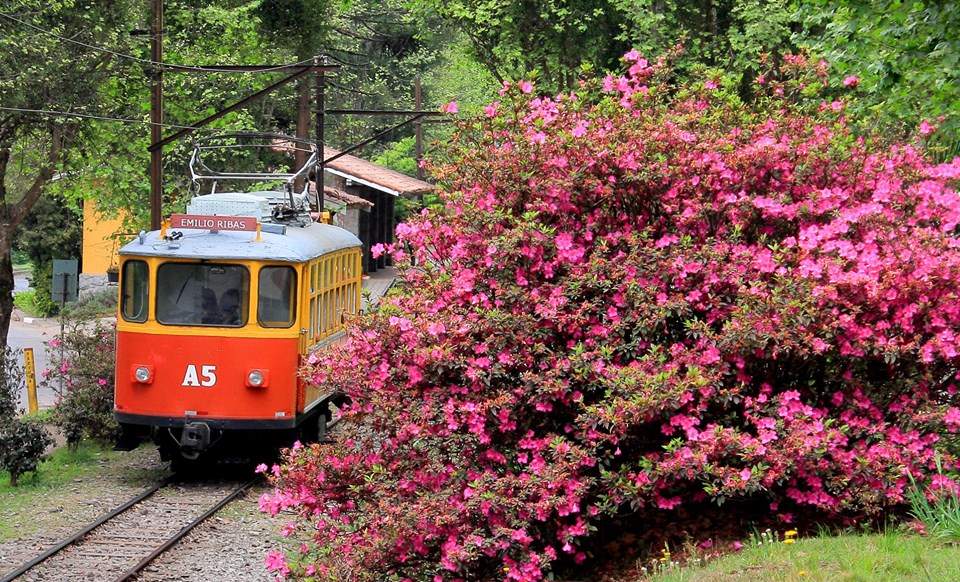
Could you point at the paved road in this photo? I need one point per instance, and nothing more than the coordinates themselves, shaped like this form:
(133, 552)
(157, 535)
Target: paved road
(35, 336)
(20, 281)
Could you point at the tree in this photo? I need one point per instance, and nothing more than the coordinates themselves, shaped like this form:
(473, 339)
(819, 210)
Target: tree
(555, 38)
(39, 70)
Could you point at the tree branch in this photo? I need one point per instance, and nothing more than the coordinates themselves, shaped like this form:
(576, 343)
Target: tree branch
(22, 208)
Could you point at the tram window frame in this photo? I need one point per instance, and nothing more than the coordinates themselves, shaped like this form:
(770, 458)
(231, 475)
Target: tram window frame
(243, 300)
(292, 289)
(125, 287)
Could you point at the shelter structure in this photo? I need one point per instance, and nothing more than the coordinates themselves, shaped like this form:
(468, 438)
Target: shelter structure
(378, 185)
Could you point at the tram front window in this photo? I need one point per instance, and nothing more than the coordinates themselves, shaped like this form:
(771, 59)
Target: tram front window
(202, 294)
(278, 294)
(135, 291)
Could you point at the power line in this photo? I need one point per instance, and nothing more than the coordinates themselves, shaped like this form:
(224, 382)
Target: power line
(52, 113)
(148, 61)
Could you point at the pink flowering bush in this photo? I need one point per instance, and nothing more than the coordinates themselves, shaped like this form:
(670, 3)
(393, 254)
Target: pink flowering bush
(81, 373)
(639, 298)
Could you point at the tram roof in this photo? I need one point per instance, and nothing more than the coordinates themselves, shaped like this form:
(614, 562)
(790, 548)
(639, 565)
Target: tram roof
(296, 245)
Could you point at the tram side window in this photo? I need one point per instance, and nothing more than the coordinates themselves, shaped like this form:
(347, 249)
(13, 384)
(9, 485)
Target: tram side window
(136, 291)
(202, 294)
(278, 297)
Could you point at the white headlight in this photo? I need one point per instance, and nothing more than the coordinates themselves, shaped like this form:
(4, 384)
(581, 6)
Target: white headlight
(255, 378)
(142, 374)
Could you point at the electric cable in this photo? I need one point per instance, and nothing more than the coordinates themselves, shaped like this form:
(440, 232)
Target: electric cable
(204, 69)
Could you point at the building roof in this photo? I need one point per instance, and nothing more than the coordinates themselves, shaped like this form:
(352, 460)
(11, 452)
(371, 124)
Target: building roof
(295, 246)
(374, 175)
(348, 199)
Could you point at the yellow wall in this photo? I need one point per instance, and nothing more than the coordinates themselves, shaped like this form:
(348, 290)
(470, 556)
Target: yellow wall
(99, 241)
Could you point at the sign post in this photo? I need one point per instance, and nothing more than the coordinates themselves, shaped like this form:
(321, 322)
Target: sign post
(30, 369)
(64, 289)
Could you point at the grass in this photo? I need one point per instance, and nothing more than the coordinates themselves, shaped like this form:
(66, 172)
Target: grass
(886, 557)
(26, 302)
(56, 473)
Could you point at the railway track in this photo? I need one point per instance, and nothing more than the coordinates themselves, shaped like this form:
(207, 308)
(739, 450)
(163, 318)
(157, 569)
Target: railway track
(120, 544)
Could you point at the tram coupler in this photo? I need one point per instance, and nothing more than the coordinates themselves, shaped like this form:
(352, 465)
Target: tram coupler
(194, 439)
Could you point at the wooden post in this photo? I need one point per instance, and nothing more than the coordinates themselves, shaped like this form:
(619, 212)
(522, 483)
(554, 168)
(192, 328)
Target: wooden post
(156, 115)
(418, 106)
(303, 127)
(321, 149)
(30, 369)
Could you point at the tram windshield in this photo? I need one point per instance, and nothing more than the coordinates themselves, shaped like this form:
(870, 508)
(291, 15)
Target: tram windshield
(202, 294)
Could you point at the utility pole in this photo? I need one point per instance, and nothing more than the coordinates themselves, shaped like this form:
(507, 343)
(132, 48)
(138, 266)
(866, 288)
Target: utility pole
(418, 106)
(321, 113)
(303, 127)
(156, 115)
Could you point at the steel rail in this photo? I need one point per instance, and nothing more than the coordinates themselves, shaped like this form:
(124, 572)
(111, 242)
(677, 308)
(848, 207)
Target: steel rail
(156, 552)
(129, 574)
(82, 533)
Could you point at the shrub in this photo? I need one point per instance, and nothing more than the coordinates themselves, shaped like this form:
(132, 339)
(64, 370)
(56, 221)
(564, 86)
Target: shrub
(83, 377)
(640, 298)
(22, 443)
(100, 303)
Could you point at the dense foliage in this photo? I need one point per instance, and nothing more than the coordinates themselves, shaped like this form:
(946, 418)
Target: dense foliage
(82, 372)
(22, 442)
(51, 231)
(639, 298)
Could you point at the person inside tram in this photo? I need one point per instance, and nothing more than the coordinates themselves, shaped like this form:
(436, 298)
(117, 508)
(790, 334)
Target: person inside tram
(208, 307)
(230, 307)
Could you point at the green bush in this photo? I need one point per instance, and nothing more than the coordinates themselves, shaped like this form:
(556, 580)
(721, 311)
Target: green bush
(100, 303)
(81, 371)
(40, 280)
(22, 442)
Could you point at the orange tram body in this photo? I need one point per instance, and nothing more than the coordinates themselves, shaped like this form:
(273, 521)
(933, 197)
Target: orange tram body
(213, 327)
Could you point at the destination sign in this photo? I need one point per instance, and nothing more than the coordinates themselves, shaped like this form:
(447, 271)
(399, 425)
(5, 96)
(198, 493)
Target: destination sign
(202, 222)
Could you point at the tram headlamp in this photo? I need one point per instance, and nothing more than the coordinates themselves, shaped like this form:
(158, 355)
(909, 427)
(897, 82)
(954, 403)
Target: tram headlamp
(143, 374)
(257, 378)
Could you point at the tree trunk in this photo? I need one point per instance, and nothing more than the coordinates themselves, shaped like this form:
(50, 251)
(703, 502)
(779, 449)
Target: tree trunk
(6, 261)
(6, 284)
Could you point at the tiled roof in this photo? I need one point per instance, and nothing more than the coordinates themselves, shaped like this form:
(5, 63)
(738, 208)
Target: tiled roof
(342, 196)
(374, 175)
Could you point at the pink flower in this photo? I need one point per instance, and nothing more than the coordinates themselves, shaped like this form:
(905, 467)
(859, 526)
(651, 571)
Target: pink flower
(580, 129)
(851, 81)
(277, 562)
(952, 419)
(710, 84)
(526, 86)
(450, 107)
(746, 474)
(491, 109)
(926, 128)
(261, 468)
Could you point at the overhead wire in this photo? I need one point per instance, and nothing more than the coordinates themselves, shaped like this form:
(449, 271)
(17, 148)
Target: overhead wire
(52, 113)
(206, 69)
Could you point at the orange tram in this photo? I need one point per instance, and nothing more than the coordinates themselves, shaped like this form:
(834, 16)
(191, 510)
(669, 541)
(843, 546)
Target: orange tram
(217, 312)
